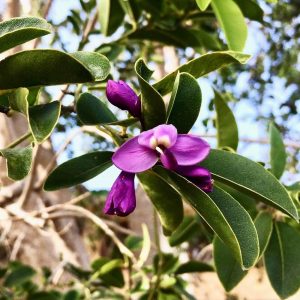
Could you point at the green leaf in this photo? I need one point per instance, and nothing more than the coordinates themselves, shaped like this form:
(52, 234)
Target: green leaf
(277, 152)
(72, 295)
(250, 10)
(264, 226)
(153, 106)
(227, 267)
(51, 67)
(282, 260)
(194, 267)
(232, 23)
(163, 197)
(203, 4)
(92, 111)
(223, 214)
(187, 229)
(250, 178)
(185, 103)
(42, 119)
(111, 16)
(227, 130)
(17, 31)
(78, 170)
(134, 242)
(126, 5)
(18, 161)
(201, 66)
(19, 276)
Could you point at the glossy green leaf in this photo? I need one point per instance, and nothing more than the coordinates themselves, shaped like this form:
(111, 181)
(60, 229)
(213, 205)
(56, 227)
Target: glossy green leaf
(194, 267)
(43, 119)
(232, 23)
(51, 67)
(111, 16)
(264, 225)
(277, 152)
(18, 161)
(227, 267)
(78, 170)
(153, 106)
(227, 130)
(250, 178)
(282, 260)
(201, 66)
(250, 10)
(18, 276)
(17, 31)
(163, 196)
(187, 229)
(203, 4)
(223, 214)
(185, 103)
(92, 111)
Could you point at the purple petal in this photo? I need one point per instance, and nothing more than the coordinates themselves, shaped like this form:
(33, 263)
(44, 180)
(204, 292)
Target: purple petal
(134, 158)
(168, 160)
(198, 175)
(162, 135)
(189, 150)
(121, 199)
(123, 96)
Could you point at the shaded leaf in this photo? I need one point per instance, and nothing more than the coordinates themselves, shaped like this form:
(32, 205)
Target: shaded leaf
(51, 67)
(194, 267)
(250, 178)
(19, 276)
(277, 152)
(78, 170)
(232, 23)
(250, 10)
(185, 103)
(163, 197)
(282, 260)
(227, 130)
(17, 31)
(201, 66)
(18, 161)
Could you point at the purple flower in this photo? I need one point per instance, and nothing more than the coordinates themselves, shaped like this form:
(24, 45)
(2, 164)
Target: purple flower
(121, 199)
(162, 142)
(123, 96)
(197, 175)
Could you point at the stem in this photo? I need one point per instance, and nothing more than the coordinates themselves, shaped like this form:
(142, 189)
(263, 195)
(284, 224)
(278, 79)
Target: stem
(113, 134)
(19, 140)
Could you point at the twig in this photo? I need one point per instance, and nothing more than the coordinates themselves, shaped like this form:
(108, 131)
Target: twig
(17, 246)
(19, 140)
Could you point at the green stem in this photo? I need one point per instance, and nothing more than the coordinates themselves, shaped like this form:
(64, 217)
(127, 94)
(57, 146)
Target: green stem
(115, 135)
(19, 140)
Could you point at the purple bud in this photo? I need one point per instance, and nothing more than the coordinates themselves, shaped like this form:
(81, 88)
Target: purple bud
(197, 175)
(123, 96)
(121, 199)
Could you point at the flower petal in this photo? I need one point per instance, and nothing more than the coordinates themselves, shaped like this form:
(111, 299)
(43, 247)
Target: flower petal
(168, 160)
(166, 135)
(198, 175)
(134, 158)
(144, 139)
(121, 199)
(189, 150)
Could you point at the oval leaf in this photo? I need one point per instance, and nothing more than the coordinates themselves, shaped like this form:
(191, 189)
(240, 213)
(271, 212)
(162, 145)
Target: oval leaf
(201, 66)
(250, 178)
(250, 10)
(227, 130)
(17, 31)
(51, 67)
(163, 197)
(78, 170)
(42, 119)
(232, 22)
(153, 106)
(223, 214)
(92, 111)
(185, 103)
(203, 4)
(277, 152)
(194, 267)
(18, 161)
(282, 260)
